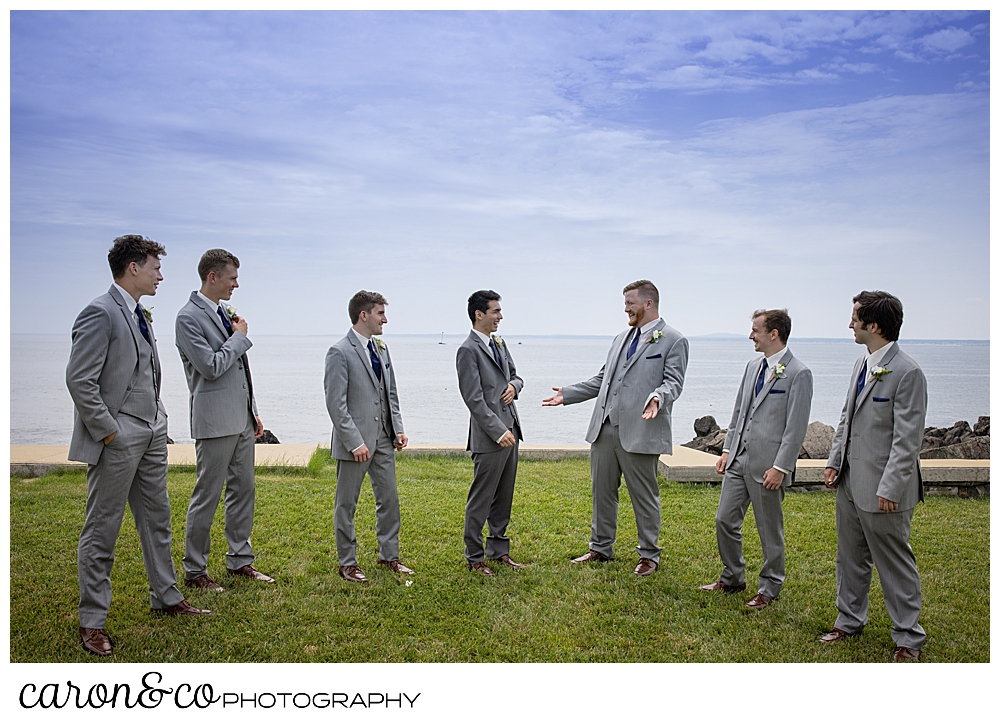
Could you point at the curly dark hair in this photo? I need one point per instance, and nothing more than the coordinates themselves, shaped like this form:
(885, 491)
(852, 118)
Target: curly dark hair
(129, 248)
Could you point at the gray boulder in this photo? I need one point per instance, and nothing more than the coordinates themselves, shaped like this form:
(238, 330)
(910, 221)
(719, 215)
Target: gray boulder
(708, 437)
(818, 441)
(974, 448)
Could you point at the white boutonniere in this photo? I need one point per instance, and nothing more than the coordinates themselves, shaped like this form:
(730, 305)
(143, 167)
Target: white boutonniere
(878, 372)
(779, 371)
(498, 339)
(379, 343)
(654, 337)
(148, 313)
(231, 312)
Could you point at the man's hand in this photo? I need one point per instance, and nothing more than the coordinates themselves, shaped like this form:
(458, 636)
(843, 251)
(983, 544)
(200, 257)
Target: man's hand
(507, 440)
(361, 454)
(401, 441)
(720, 463)
(652, 408)
(508, 396)
(239, 324)
(107, 440)
(773, 478)
(260, 429)
(555, 400)
(885, 505)
(830, 477)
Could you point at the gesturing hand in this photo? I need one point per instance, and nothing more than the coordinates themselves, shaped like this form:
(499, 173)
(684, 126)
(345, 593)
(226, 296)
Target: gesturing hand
(652, 408)
(555, 400)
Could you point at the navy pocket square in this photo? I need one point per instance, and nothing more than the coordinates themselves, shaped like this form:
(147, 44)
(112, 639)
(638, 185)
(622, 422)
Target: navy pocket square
(881, 399)
(655, 356)
(777, 391)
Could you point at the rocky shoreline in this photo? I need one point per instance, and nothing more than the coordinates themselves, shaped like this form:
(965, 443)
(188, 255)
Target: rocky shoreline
(960, 441)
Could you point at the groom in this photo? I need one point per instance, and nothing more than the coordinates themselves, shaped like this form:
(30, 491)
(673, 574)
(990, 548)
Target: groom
(630, 427)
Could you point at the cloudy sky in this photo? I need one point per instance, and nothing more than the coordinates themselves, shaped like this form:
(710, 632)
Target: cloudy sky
(739, 160)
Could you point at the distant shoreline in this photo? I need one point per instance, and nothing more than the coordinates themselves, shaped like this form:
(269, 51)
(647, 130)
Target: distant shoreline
(703, 337)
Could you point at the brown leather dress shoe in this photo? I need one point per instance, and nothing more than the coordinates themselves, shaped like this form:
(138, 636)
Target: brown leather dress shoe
(96, 641)
(645, 567)
(506, 560)
(352, 573)
(723, 587)
(396, 566)
(481, 567)
(591, 556)
(204, 582)
(760, 601)
(182, 608)
(836, 635)
(249, 571)
(905, 655)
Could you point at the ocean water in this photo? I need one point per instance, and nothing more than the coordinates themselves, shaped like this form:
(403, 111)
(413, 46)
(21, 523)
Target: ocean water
(288, 380)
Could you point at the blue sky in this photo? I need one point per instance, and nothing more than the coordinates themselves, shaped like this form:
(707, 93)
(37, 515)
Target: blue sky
(739, 160)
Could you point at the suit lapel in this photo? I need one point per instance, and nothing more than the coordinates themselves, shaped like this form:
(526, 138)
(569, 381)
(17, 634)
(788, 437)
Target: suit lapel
(362, 350)
(133, 326)
(769, 380)
(870, 383)
(201, 303)
(639, 347)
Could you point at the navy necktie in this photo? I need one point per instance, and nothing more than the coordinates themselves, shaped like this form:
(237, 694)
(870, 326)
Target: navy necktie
(496, 351)
(143, 326)
(635, 343)
(376, 362)
(861, 377)
(225, 320)
(760, 378)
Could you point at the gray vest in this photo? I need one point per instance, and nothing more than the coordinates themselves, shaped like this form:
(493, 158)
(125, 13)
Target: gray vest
(141, 398)
(385, 411)
(618, 373)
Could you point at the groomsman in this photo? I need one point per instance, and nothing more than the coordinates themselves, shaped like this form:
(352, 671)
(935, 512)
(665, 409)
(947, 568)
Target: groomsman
(630, 426)
(758, 460)
(489, 385)
(361, 398)
(212, 341)
(120, 431)
(875, 466)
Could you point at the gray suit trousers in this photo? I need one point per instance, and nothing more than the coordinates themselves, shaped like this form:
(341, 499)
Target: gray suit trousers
(882, 538)
(132, 468)
(491, 497)
(228, 459)
(608, 462)
(381, 469)
(739, 491)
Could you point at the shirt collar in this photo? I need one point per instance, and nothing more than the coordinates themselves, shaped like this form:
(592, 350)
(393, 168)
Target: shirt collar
(876, 357)
(211, 304)
(126, 298)
(772, 361)
(360, 337)
(485, 339)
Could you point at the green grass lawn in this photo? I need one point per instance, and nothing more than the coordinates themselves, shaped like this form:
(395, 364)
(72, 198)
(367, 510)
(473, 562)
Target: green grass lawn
(552, 611)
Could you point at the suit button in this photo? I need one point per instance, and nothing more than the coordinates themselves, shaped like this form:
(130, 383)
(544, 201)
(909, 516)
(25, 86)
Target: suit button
(376, 419)
(244, 386)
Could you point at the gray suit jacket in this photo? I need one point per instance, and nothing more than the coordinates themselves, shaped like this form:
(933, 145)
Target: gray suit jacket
(773, 422)
(213, 364)
(102, 370)
(481, 381)
(655, 367)
(878, 440)
(354, 397)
